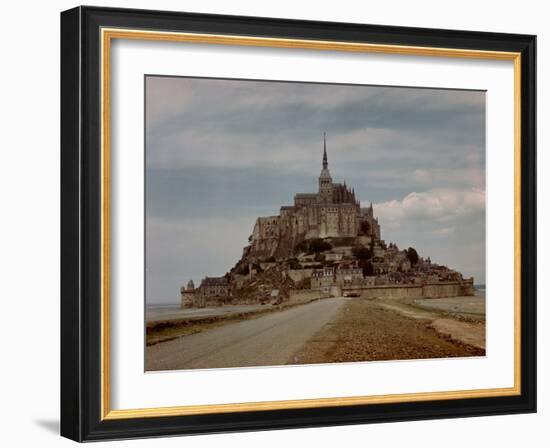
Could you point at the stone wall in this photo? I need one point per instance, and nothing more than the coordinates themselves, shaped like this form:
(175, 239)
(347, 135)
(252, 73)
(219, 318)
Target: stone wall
(441, 290)
(299, 274)
(430, 290)
(303, 295)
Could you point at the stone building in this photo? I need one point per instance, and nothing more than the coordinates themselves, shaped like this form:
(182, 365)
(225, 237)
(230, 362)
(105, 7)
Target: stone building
(214, 288)
(347, 276)
(322, 279)
(332, 212)
(212, 291)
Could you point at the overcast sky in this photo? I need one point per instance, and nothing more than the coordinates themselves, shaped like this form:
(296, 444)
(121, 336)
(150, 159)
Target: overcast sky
(220, 153)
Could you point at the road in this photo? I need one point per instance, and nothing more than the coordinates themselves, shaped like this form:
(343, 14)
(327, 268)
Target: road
(266, 340)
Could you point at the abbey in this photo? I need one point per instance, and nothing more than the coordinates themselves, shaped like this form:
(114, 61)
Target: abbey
(332, 212)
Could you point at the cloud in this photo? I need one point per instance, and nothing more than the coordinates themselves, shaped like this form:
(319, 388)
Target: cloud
(441, 205)
(447, 225)
(198, 122)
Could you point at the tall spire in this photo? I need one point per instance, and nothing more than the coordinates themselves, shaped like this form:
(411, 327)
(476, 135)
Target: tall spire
(325, 160)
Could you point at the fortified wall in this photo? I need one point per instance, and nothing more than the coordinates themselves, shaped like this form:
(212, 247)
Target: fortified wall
(304, 295)
(427, 290)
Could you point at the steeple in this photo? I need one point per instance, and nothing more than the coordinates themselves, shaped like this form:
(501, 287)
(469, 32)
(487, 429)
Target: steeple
(325, 181)
(325, 160)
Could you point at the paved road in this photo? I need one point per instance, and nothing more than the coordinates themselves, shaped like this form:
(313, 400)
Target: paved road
(266, 340)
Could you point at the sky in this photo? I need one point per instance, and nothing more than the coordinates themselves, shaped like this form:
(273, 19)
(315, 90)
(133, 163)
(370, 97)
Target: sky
(219, 153)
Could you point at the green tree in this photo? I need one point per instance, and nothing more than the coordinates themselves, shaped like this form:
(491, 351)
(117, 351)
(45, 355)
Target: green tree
(366, 266)
(361, 252)
(302, 246)
(317, 245)
(365, 228)
(412, 255)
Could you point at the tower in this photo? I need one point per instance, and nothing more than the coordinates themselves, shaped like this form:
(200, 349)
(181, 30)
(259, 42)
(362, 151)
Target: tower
(325, 181)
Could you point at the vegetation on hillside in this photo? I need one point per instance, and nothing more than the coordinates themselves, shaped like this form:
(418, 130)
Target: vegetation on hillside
(313, 246)
(412, 255)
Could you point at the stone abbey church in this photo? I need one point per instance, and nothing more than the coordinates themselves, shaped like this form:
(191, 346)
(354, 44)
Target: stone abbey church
(332, 212)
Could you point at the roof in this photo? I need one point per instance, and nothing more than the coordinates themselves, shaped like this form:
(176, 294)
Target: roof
(214, 281)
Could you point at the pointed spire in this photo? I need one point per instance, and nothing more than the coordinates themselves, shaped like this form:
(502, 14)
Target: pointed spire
(325, 159)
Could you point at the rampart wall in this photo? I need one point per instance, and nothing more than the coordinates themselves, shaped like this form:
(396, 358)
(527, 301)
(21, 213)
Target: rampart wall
(428, 290)
(299, 295)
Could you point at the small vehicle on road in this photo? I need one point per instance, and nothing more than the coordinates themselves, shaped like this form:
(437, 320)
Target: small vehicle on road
(351, 294)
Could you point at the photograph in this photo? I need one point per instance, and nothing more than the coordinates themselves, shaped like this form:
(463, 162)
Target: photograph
(295, 223)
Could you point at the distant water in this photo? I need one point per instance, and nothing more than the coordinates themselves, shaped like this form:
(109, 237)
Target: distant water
(161, 306)
(480, 288)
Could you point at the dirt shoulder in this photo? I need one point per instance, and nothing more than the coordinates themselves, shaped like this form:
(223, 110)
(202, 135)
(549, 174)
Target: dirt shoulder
(364, 330)
(447, 316)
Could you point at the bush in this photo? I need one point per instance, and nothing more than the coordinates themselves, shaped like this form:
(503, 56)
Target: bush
(343, 241)
(243, 269)
(361, 252)
(302, 246)
(319, 257)
(367, 267)
(317, 245)
(365, 228)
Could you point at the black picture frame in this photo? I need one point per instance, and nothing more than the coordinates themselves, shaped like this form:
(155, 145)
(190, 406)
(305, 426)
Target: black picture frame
(81, 224)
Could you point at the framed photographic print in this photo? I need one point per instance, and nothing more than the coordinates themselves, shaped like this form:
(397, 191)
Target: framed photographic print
(272, 223)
